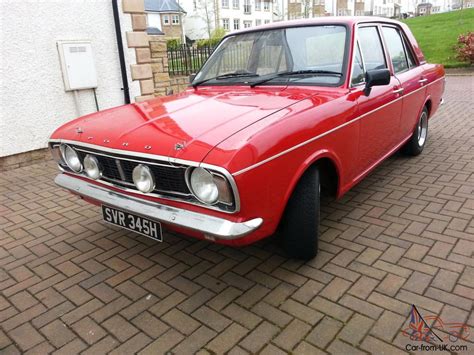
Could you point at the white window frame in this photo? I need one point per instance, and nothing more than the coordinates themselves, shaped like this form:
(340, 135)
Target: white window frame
(236, 22)
(258, 5)
(247, 7)
(247, 24)
(166, 20)
(266, 6)
(225, 4)
(226, 24)
(175, 20)
(236, 4)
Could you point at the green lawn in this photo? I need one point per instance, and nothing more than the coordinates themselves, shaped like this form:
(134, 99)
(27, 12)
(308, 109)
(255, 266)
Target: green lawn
(437, 34)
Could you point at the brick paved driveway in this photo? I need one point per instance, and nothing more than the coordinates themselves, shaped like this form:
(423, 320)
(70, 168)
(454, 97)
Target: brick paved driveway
(70, 283)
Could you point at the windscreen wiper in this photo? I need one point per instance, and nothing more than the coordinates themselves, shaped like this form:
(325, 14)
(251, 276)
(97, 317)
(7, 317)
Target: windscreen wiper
(295, 73)
(225, 76)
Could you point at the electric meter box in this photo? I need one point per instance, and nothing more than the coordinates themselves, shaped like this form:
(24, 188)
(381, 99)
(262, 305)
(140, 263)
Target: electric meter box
(77, 64)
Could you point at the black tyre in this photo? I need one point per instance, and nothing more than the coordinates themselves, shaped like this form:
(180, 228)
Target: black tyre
(299, 228)
(417, 142)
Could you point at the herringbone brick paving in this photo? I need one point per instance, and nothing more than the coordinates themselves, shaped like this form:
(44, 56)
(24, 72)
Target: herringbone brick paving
(70, 283)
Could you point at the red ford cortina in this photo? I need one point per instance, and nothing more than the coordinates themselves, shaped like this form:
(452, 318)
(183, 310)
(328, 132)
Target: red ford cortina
(278, 115)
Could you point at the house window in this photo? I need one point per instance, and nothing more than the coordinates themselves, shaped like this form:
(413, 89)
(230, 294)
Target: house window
(236, 24)
(195, 4)
(225, 24)
(235, 4)
(166, 19)
(267, 22)
(247, 24)
(258, 5)
(247, 7)
(225, 4)
(175, 20)
(266, 6)
(258, 22)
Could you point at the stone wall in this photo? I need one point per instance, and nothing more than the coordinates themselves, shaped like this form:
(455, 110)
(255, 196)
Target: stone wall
(164, 84)
(138, 39)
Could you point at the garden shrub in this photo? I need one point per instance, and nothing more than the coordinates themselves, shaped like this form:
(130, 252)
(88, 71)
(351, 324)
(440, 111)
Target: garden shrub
(465, 47)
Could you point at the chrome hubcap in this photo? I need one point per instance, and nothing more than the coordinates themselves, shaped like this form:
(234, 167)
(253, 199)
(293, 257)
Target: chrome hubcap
(422, 129)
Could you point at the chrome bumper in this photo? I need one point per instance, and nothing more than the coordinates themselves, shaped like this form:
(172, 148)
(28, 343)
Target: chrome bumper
(211, 226)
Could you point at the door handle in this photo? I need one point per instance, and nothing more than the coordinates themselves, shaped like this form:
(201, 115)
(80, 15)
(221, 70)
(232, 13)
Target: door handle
(422, 81)
(398, 91)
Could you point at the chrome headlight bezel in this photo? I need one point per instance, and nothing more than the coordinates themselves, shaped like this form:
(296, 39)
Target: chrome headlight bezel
(219, 190)
(71, 158)
(202, 185)
(143, 178)
(92, 167)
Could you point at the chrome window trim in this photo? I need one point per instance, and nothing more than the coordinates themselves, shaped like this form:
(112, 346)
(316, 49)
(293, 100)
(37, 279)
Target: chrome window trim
(398, 31)
(357, 44)
(299, 145)
(381, 39)
(352, 85)
(405, 43)
(170, 160)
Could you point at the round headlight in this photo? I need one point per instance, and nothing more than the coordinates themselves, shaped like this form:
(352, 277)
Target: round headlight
(71, 158)
(203, 186)
(143, 178)
(92, 167)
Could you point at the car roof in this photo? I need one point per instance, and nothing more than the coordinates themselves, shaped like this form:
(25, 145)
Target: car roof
(327, 20)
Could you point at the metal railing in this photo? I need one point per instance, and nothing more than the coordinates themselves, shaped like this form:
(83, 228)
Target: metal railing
(184, 60)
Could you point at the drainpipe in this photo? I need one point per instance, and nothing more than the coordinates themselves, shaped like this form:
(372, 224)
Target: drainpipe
(123, 68)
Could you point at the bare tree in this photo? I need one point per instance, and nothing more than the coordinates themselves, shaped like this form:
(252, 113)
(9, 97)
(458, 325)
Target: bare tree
(307, 10)
(208, 14)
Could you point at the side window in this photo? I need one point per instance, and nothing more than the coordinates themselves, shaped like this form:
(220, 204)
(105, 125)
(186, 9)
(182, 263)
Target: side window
(372, 49)
(358, 68)
(395, 49)
(409, 52)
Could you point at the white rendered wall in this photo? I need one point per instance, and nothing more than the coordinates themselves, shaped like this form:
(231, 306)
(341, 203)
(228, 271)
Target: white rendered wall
(33, 101)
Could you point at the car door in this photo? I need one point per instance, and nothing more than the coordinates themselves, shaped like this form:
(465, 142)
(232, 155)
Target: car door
(410, 76)
(380, 111)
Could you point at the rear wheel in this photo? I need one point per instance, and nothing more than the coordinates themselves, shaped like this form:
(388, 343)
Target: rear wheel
(299, 228)
(417, 141)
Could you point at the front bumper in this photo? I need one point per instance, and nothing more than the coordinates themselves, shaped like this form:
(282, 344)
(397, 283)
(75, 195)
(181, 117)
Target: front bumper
(208, 225)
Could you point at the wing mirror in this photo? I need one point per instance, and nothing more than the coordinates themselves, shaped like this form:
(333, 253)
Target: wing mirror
(376, 77)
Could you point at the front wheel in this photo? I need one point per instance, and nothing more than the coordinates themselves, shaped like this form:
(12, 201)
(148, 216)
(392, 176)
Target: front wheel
(299, 228)
(417, 141)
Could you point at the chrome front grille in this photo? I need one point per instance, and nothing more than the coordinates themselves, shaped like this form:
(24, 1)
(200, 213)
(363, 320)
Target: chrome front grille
(169, 179)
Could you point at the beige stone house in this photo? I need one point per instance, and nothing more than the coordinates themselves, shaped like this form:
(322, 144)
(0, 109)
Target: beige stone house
(165, 16)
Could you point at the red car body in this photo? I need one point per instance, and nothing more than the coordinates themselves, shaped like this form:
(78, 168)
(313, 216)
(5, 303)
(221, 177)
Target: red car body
(266, 137)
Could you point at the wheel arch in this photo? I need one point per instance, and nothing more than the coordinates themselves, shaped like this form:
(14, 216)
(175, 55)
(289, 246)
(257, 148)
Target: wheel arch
(330, 170)
(428, 104)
